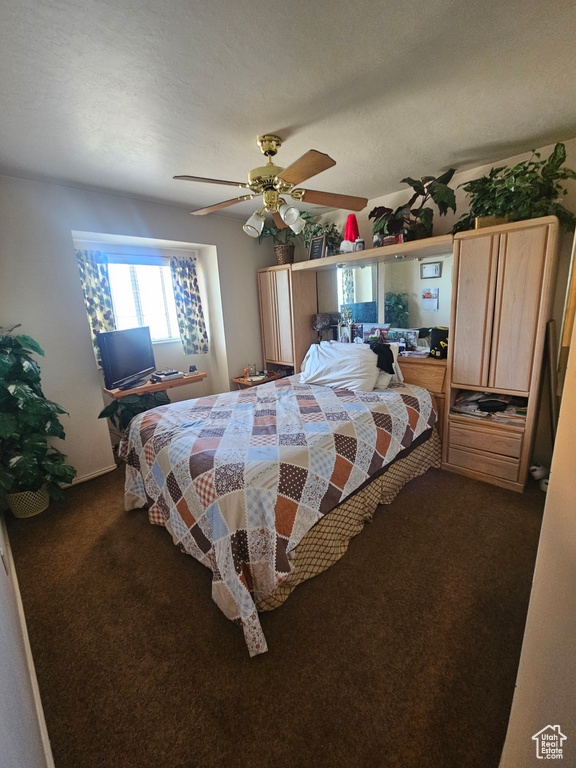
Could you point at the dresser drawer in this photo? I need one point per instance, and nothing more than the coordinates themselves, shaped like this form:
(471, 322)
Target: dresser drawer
(491, 440)
(427, 373)
(482, 461)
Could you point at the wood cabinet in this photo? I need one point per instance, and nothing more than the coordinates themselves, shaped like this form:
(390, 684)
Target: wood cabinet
(501, 303)
(287, 303)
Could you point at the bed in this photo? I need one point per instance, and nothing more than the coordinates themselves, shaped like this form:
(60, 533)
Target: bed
(266, 486)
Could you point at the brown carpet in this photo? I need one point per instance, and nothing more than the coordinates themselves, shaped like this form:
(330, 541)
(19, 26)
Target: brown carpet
(402, 654)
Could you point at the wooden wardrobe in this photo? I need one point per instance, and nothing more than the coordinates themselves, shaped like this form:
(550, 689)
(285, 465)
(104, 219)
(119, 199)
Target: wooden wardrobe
(501, 301)
(287, 302)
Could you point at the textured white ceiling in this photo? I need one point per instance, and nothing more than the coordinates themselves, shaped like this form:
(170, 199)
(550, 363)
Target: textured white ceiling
(125, 94)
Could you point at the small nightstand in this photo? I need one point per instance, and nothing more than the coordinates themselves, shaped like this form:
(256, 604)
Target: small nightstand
(241, 382)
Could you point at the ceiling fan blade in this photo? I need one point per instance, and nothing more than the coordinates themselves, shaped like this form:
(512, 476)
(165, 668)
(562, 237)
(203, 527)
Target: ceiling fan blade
(218, 206)
(212, 181)
(346, 202)
(305, 167)
(278, 221)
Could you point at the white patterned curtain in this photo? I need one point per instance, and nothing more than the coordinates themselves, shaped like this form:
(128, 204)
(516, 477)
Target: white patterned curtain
(93, 269)
(347, 286)
(191, 322)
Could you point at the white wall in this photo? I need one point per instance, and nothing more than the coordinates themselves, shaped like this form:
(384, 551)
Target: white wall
(546, 684)
(23, 737)
(40, 288)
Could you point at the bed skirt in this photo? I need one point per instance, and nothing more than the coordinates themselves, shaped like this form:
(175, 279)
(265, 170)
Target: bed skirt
(328, 540)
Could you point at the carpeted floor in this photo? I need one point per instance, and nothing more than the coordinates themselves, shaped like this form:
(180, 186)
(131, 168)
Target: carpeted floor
(404, 654)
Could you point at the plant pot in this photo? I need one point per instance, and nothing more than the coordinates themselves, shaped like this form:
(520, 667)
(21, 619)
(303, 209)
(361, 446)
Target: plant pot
(489, 221)
(415, 232)
(284, 254)
(28, 503)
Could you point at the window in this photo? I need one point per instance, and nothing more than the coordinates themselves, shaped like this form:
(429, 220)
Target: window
(142, 294)
(145, 283)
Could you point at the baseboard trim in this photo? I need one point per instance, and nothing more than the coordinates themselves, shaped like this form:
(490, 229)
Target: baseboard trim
(92, 475)
(27, 650)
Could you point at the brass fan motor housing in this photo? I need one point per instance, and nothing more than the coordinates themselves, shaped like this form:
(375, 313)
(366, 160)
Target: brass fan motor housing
(260, 178)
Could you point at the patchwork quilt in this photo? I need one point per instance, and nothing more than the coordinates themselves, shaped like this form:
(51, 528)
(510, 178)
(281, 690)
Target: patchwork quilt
(238, 478)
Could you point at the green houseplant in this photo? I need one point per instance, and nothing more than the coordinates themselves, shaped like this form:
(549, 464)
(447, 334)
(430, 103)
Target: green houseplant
(28, 463)
(530, 189)
(415, 218)
(283, 240)
(121, 412)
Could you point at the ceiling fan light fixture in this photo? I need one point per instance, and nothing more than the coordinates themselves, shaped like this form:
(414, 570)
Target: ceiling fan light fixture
(289, 213)
(298, 225)
(254, 225)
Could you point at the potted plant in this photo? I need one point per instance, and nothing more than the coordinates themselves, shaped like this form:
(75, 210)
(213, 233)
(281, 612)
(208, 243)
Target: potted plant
(283, 242)
(121, 412)
(31, 470)
(530, 189)
(414, 219)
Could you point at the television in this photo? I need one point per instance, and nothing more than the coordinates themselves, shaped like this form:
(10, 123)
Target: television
(127, 356)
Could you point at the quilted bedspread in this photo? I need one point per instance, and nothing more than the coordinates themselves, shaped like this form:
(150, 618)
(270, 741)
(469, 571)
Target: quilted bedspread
(239, 478)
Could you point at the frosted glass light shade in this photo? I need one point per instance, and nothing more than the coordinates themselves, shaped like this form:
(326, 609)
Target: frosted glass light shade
(254, 225)
(298, 225)
(289, 214)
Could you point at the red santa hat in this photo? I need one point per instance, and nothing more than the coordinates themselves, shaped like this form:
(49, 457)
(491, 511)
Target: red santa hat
(351, 232)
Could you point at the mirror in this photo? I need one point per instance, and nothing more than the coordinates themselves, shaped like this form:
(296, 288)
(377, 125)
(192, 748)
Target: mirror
(428, 285)
(375, 293)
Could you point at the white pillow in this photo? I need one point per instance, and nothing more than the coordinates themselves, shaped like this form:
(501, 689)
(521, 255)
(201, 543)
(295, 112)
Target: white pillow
(347, 350)
(341, 348)
(397, 376)
(383, 380)
(329, 367)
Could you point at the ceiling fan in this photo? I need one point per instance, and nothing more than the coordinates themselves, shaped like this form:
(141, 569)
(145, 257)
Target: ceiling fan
(272, 181)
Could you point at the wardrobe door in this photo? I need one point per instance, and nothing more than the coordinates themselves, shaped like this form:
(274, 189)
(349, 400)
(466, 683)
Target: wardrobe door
(284, 315)
(518, 295)
(267, 292)
(477, 259)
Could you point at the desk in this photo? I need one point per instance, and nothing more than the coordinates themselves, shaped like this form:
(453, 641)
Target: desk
(157, 386)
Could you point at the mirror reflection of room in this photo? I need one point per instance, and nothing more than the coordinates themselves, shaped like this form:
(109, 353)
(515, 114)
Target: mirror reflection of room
(358, 293)
(393, 292)
(413, 301)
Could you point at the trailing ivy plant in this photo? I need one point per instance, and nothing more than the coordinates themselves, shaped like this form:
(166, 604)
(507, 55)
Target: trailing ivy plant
(532, 188)
(27, 420)
(415, 216)
(329, 230)
(121, 412)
